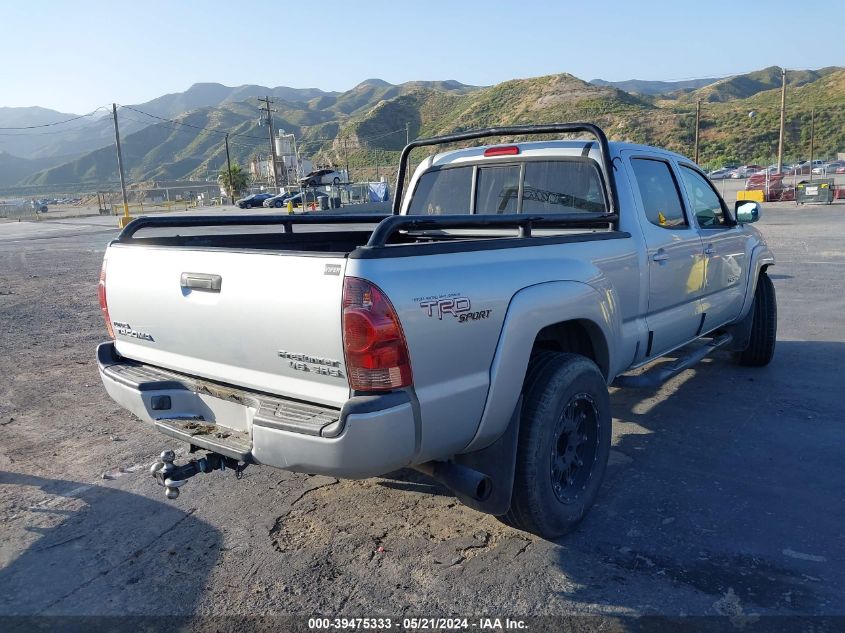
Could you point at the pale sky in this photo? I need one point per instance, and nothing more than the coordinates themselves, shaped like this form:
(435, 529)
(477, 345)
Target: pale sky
(76, 56)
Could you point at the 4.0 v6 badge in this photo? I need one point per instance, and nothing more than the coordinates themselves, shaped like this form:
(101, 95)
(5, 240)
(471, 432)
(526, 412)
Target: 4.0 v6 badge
(458, 307)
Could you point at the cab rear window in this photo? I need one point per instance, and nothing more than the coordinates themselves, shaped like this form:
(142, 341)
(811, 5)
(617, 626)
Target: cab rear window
(570, 185)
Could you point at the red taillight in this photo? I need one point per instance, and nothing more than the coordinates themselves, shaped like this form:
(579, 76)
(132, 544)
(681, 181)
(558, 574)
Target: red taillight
(502, 150)
(101, 293)
(373, 342)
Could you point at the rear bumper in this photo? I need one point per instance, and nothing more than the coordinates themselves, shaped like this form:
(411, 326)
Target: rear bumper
(369, 436)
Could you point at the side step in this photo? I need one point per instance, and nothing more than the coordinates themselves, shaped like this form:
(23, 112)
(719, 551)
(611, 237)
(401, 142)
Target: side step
(655, 377)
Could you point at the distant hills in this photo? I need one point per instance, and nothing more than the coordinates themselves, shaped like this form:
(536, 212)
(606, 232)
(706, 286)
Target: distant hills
(645, 87)
(366, 125)
(748, 85)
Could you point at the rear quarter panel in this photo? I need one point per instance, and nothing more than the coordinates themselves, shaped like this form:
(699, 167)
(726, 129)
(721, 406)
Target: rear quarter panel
(451, 358)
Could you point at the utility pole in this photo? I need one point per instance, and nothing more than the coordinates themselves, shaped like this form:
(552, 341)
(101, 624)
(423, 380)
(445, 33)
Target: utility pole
(407, 133)
(229, 164)
(697, 127)
(123, 221)
(267, 102)
(782, 118)
(346, 158)
(812, 138)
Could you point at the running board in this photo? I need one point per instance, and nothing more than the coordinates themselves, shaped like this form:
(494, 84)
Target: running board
(655, 377)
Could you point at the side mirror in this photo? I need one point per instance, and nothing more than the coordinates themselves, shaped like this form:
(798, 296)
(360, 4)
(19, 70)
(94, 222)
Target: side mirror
(747, 211)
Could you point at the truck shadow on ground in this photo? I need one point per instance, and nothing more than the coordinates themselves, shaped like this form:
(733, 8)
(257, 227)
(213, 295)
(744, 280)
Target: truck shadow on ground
(710, 505)
(102, 551)
(727, 481)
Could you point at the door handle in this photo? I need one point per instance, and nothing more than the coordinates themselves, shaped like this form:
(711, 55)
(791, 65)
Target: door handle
(709, 250)
(660, 256)
(202, 281)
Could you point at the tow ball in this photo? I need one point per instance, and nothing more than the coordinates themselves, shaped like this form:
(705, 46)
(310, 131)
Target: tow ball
(173, 477)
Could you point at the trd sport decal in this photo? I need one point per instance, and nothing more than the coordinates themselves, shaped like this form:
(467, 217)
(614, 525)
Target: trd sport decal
(454, 306)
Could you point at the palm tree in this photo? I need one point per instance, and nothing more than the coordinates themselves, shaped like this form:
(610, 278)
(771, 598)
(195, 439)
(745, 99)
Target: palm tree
(235, 183)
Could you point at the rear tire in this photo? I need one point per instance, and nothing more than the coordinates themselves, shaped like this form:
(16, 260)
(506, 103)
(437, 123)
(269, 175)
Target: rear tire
(764, 325)
(564, 443)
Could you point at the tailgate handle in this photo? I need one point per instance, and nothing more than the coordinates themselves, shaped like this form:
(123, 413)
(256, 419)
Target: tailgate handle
(202, 281)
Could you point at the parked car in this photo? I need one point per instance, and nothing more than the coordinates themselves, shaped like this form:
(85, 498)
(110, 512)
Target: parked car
(479, 358)
(310, 197)
(829, 167)
(322, 177)
(745, 171)
(253, 200)
(719, 174)
(278, 201)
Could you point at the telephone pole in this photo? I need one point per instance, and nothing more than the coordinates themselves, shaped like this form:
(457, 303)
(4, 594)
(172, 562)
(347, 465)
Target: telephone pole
(697, 127)
(346, 158)
(812, 138)
(267, 103)
(782, 118)
(229, 164)
(125, 219)
(407, 133)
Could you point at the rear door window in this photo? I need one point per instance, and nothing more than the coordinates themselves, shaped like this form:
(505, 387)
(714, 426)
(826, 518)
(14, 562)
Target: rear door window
(659, 192)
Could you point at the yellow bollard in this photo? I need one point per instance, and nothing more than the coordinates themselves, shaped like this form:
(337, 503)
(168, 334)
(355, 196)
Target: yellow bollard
(290, 207)
(125, 219)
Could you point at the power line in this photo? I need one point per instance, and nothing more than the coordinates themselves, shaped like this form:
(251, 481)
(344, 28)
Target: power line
(197, 127)
(76, 118)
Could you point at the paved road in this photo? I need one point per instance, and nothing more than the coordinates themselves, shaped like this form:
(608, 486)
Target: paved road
(724, 494)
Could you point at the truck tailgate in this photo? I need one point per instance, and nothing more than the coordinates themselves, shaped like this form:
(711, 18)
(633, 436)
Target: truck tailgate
(274, 324)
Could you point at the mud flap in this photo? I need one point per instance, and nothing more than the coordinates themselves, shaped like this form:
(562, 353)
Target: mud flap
(497, 461)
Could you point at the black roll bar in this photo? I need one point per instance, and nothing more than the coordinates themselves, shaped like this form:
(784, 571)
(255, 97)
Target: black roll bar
(393, 223)
(514, 130)
(245, 220)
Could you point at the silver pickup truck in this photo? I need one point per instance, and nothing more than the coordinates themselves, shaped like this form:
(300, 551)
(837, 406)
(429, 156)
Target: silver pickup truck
(472, 334)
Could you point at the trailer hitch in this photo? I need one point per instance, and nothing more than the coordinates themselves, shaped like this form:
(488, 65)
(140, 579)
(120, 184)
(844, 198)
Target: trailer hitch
(173, 477)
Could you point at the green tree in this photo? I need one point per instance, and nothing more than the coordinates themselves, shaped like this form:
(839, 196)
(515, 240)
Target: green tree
(236, 184)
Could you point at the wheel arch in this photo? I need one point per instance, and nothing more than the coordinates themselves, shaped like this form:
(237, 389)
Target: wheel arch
(580, 336)
(761, 259)
(560, 315)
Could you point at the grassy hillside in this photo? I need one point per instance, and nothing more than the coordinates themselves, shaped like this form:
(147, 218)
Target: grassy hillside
(728, 132)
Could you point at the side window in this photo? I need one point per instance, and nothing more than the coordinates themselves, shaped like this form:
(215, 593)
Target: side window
(659, 191)
(442, 192)
(496, 189)
(705, 202)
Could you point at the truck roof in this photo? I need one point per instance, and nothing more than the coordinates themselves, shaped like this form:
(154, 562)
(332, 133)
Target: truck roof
(540, 149)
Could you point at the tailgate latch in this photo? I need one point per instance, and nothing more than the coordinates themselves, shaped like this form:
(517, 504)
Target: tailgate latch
(173, 477)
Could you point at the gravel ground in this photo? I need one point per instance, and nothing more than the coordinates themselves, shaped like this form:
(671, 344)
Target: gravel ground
(724, 493)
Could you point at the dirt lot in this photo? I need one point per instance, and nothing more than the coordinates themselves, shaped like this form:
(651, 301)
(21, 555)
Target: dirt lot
(724, 496)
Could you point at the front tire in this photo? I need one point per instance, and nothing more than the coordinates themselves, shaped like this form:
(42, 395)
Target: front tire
(764, 325)
(564, 443)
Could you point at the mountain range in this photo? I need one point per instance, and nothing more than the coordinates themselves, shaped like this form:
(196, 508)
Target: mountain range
(181, 135)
